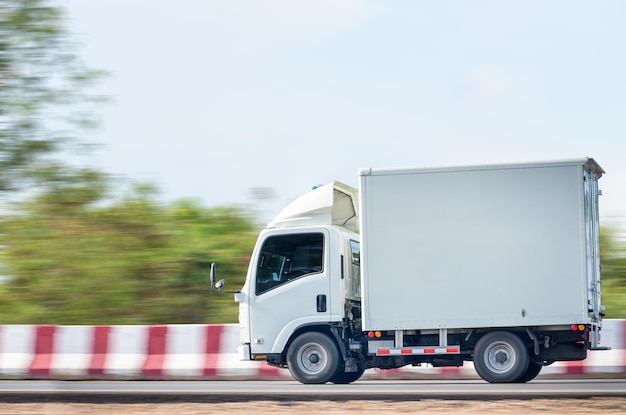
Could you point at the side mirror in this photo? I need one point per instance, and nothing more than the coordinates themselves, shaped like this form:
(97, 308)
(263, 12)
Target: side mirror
(217, 286)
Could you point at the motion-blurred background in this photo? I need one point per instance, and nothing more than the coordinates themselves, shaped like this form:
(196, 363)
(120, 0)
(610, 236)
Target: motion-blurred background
(142, 140)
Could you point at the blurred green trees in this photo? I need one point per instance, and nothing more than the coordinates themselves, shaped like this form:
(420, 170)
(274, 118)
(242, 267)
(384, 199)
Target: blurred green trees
(43, 100)
(132, 262)
(613, 262)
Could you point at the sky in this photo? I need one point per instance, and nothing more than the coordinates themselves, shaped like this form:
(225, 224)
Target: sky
(251, 103)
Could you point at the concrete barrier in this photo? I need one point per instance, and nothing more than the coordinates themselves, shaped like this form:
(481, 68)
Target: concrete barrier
(207, 351)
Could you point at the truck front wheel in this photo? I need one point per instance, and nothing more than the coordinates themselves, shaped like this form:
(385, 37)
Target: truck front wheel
(500, 357)
(313, 358)
(343, 378)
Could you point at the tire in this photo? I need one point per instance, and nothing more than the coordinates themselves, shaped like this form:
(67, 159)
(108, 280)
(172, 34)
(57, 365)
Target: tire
(533, 370)
(343, 378)
(313, 358)
(500, 357)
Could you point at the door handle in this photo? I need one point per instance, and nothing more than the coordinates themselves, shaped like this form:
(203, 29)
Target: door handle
(321, 303)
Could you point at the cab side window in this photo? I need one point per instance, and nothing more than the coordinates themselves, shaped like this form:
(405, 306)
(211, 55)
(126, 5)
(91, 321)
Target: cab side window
(287, 257)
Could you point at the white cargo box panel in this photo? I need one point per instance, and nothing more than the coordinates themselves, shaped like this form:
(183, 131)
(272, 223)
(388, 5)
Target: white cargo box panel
(479, 246)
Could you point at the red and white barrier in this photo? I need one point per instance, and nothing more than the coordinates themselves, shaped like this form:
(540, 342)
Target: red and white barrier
(172, 351)
(16, 349)
(206, 352)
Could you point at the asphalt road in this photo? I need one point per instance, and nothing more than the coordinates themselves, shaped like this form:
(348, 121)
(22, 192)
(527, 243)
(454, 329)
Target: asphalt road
(224, 391)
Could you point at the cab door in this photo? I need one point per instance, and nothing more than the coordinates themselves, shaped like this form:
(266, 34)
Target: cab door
(289, 287)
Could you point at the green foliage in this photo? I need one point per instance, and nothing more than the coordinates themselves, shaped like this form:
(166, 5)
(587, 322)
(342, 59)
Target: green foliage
(42, 100)
(613, 260)
(133, 262)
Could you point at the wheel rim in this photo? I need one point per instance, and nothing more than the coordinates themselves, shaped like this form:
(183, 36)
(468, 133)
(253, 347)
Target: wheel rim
(500, 357)
(312, 358)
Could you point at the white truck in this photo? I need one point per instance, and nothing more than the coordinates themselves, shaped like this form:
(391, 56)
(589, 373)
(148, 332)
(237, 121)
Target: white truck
(495, 264)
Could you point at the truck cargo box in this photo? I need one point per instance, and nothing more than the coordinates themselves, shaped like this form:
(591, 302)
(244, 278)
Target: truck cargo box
(480, 246)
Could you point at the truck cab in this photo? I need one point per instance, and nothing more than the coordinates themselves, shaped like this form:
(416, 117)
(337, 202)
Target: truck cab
(304, 270)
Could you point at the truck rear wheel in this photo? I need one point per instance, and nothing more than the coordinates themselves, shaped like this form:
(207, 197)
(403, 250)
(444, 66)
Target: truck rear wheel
(533, 370)
(313, 358)
(500, 357)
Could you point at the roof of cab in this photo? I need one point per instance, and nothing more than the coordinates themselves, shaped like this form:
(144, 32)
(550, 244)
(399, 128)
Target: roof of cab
(334, 203)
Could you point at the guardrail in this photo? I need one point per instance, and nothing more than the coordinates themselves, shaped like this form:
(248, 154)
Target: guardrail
(206, 351)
